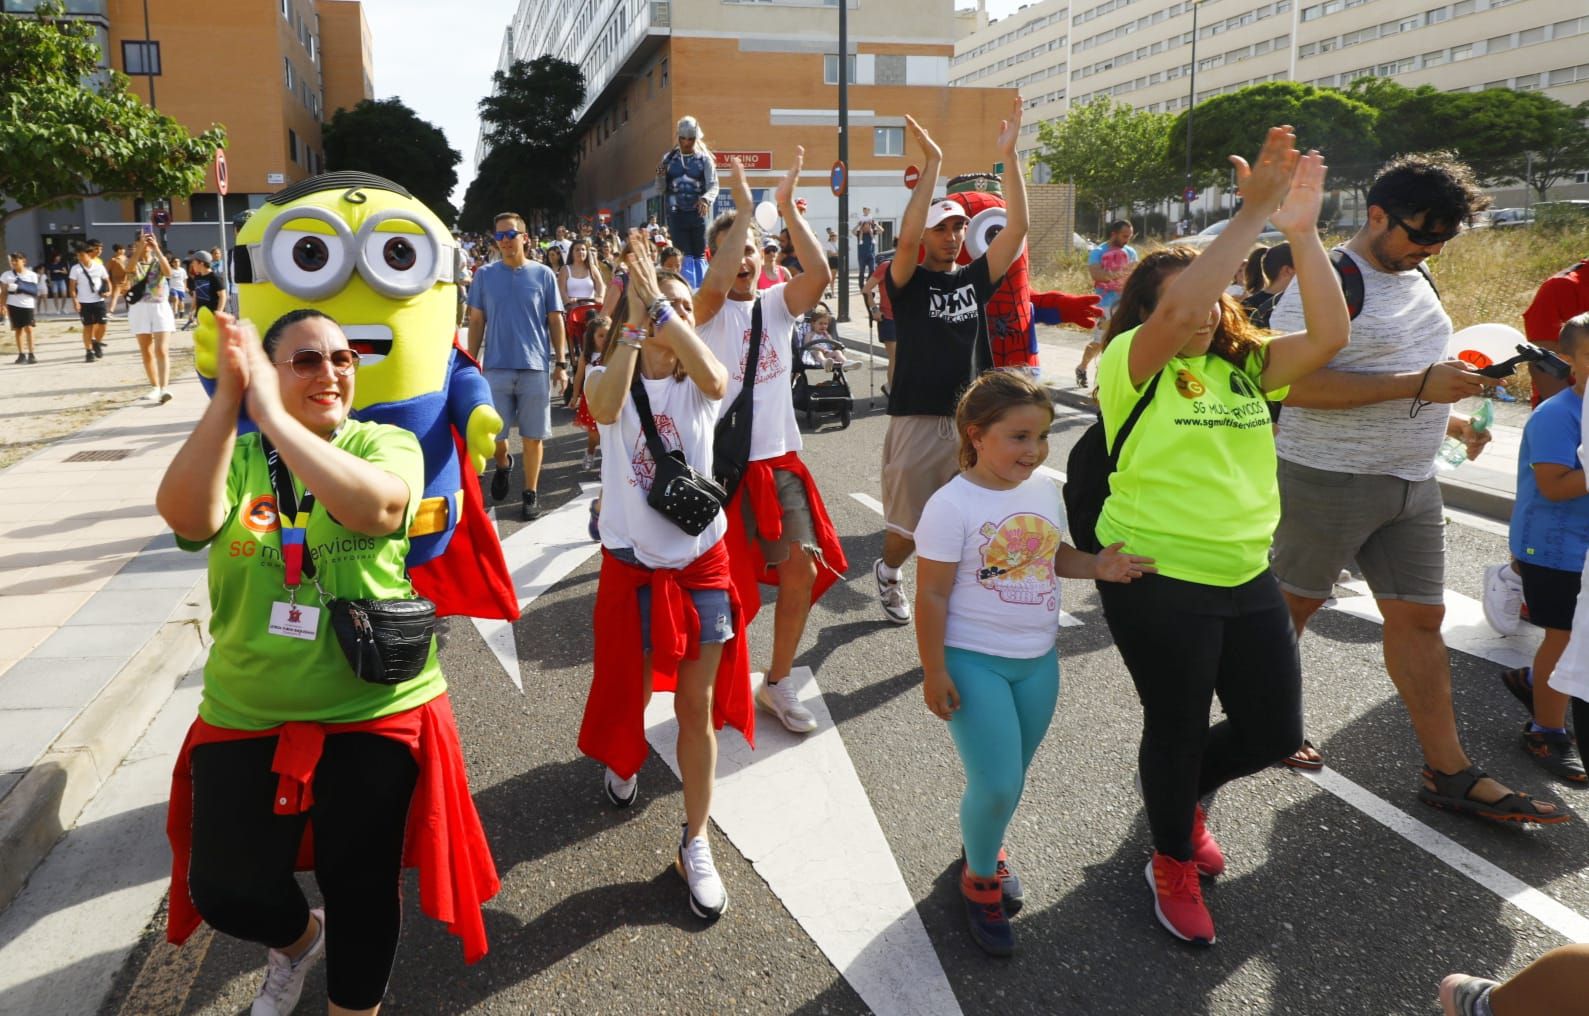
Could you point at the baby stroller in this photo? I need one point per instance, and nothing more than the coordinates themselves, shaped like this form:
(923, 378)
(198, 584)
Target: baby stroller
(828, 397)
(574, 317)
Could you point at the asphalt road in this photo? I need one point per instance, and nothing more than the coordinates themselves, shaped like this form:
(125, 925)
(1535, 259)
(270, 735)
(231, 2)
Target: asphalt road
(1322, 910)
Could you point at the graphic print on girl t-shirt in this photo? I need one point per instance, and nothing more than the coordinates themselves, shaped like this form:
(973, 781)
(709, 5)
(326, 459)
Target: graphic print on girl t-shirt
(768, 366)
(642, 467)
(1018, 559)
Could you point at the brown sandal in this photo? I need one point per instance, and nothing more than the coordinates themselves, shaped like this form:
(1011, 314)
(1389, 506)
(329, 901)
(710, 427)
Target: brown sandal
(1450, 792)
(1299, 759)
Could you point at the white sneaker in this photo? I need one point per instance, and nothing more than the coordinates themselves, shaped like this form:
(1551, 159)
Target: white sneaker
(153, 397)
(783, 701)
(708, 898)
(284, 978)
(591, 462)
(1503, 598)
(165, 396)
(621, 792)
(891, 594)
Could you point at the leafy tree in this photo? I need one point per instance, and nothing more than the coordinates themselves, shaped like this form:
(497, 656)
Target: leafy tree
(388, 139)
(71, 130)
(534, 141)
(1561, 152)
(1337, 124)
(1113, 153)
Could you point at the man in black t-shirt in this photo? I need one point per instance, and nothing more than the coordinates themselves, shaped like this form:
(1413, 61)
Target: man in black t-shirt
(941, 343)
(207, 287)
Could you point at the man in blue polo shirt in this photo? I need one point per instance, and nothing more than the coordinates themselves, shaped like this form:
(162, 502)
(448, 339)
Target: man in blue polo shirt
(526, 357)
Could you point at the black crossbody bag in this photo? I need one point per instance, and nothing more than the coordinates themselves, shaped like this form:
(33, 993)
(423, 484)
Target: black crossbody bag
(385, 641)
(731, 439)
(678, 493)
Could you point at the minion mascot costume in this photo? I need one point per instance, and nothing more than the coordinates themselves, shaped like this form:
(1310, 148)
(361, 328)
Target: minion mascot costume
(1015, 311)
(366, 252)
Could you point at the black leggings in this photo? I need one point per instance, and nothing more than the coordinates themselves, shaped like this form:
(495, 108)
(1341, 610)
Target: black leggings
(1183, 643)
(241, 873)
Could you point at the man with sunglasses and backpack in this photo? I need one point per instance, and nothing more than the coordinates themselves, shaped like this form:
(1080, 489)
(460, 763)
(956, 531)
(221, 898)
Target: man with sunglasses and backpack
(1356, 446)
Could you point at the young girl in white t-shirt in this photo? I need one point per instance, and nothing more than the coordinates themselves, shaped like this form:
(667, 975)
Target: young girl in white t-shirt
(990, 556)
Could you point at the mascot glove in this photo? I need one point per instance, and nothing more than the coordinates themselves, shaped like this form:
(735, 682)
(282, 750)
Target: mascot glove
(206, 343)
(484, 426)
(1079, 310)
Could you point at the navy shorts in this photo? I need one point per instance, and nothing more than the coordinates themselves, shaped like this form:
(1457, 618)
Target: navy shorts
(1551, 595)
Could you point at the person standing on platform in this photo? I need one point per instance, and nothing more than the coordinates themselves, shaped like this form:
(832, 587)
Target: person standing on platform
(687, 181)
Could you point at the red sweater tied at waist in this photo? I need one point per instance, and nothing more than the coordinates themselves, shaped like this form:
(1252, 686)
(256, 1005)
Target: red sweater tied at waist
(749, 565)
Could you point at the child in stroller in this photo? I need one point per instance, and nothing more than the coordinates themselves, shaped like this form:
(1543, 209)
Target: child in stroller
(816, 348)
(576, 313)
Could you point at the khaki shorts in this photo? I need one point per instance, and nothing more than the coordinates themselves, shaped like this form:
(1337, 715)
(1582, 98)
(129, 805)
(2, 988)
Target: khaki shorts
(1394, 528)
(920, 454)
(798, 529)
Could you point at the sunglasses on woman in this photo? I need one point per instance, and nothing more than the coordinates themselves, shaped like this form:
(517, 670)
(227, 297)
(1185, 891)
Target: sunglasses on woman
(1422, 237)
(307, 363)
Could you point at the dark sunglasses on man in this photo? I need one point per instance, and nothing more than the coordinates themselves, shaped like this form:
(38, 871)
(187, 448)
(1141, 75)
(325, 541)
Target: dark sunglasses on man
(1422, 237)
(307, 363)
(507, 234)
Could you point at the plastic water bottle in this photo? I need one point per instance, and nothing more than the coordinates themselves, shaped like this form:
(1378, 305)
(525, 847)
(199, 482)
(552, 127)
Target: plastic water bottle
(1453, 452)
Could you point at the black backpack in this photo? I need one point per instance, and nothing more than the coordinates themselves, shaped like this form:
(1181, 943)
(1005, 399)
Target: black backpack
(1087, 471)
(1352, 281)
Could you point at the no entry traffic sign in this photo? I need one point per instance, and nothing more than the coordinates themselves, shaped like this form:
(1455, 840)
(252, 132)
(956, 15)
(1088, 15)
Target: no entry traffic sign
(838, 179)
(220, 171)
(912, 177)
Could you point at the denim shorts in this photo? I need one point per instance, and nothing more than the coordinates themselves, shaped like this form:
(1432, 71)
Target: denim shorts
(708, 604)
(523, 397)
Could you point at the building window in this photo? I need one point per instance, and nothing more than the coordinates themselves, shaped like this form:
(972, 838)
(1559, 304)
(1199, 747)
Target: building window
(287, 65)
(1527, 83)
(1529, 36)
(830, 69)
(292, 145)
(888, 141)
(1498, 43)
(664, 75)
(1439, 14)
(140, 57)
(1434, 58)
(1461, 52)
(1461, 8)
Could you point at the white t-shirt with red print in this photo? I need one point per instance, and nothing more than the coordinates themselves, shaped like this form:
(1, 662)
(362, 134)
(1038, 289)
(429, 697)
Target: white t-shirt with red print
(685, 420)
(1005, 599)
(773, 430)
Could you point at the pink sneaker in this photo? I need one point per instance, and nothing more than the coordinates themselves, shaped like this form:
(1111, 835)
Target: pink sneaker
(1210, 860)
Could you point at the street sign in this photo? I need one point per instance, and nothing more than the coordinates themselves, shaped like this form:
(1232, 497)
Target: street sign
(275, 178)
(160, 219)
(838, 178)
(749, 160)
(1190, 194)
(912, 177)
(220, 171)
(604, 214)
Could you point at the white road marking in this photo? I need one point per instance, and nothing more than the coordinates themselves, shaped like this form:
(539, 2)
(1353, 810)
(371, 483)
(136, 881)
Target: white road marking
(1464, 628)
(796, 810)
(539, 556)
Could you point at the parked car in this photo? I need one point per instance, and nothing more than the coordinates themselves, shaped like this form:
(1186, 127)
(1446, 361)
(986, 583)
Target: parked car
(1202, 239)
(1080, 244)
(1499, 218)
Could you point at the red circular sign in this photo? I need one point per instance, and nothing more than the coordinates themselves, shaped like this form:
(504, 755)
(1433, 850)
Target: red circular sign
(838, 179)
(912, 177)
(220, 171)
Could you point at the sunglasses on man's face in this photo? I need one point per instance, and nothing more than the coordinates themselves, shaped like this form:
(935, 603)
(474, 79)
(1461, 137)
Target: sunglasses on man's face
(507, 234)
(1423, 237)
(307, 363)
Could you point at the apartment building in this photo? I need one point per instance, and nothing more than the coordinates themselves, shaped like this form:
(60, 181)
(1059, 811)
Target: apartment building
(270, 71)
(1140, 52)
(762, 77)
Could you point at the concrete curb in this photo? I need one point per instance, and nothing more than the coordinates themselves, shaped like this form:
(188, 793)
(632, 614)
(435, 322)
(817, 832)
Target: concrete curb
(49, 798)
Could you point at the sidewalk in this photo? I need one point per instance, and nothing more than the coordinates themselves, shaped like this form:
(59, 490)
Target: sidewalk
(101, 614)
(1486, 486)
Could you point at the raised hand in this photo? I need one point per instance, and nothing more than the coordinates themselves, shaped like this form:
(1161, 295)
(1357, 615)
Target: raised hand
(264, 384)
(1113, 566)
(784, 195)
(929, 147)
(1009, 134)
(1263, 186)
(230, 361)
(1299, 214)
(741, 186)
(642, 285)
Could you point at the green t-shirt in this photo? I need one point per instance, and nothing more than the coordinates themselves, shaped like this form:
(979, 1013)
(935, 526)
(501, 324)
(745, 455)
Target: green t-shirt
(254, 679)
(1195, 488)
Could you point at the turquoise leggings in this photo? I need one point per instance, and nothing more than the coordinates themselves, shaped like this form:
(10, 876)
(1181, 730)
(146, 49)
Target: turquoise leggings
(1005, 707)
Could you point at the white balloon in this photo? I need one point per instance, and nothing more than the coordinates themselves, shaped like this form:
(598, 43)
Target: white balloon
(1493, 339)
(767, 216)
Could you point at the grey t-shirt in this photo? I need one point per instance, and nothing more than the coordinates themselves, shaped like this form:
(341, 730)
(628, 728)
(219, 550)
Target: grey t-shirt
(1402, 327)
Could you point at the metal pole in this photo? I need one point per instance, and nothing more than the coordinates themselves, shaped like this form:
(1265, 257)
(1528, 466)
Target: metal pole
(844, 157)
(220, 204)
(148, 51)
(1191, 101)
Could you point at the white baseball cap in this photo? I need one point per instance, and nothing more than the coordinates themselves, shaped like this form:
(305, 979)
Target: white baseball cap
(945, 209)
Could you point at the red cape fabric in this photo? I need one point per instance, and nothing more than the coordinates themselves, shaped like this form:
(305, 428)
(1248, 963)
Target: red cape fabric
(746, 561)
(444, 839)
(614, 730)
(471, 577)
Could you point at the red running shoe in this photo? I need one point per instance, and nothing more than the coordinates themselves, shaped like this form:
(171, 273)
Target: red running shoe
(1210, 860)
(1178, 899)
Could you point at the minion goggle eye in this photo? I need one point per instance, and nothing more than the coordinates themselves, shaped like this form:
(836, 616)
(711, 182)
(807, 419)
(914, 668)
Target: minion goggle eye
(310, 253)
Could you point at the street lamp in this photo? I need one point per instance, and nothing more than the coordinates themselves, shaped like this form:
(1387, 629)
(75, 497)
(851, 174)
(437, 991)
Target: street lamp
(843, 288)
(1191, 102)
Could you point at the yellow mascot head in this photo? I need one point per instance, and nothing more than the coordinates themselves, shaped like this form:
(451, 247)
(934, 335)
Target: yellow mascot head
(363, 250)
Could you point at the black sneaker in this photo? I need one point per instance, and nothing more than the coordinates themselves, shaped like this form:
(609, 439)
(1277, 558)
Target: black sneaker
(499, 480)
(88, 356)
(1557, 754)
(21, 358)
(532, 506)
(32, 358)
(99, 349)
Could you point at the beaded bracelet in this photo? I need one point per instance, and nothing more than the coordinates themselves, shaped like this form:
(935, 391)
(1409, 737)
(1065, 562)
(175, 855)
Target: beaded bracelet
(661, 312)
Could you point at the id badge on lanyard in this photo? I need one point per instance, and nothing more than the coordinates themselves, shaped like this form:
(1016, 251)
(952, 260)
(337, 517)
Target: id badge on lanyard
(288, 618)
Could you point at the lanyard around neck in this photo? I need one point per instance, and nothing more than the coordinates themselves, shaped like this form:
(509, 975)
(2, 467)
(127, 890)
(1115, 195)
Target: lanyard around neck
(292, 516)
